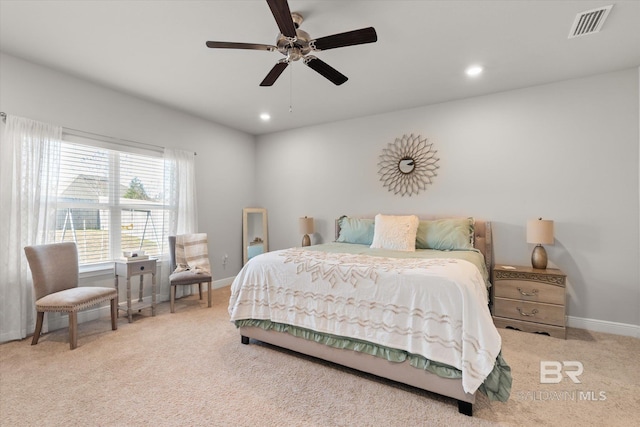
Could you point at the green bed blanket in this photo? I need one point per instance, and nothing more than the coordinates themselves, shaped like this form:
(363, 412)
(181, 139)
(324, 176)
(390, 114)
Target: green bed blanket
(497, 386)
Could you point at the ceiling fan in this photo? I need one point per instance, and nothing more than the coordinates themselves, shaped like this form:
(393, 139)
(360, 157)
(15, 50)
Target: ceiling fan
(296, 44)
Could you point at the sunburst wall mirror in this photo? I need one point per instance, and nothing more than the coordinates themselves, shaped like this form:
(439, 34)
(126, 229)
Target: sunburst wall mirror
(408, 165)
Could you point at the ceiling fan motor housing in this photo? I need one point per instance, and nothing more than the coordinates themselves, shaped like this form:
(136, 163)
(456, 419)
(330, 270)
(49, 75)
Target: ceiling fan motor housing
(294, 50)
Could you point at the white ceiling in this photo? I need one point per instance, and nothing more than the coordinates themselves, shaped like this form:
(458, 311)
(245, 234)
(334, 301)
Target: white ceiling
(156, 50)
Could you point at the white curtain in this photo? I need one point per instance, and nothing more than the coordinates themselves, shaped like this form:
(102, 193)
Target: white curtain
(181, 177)
(29, 164)
(180, 169)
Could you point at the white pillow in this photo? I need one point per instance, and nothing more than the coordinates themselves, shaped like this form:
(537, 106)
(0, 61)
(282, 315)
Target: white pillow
(395, 232)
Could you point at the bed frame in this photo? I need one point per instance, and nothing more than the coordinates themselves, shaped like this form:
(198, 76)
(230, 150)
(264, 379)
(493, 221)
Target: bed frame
(400, 372)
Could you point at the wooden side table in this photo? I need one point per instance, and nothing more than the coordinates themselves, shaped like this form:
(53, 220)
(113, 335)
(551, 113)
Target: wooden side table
(128, 269)
(530, 300)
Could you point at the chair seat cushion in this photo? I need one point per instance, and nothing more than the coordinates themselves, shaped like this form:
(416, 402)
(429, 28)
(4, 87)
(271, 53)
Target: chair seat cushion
(75, 299)
(188, 278)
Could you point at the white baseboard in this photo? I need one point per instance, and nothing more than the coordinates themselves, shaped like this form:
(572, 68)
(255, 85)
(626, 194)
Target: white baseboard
(595, 325)
(217, 284)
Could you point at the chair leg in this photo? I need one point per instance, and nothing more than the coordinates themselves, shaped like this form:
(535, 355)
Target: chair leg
(209, 293)
(200, 290)
(114, 314)
(36, 333)
(172, 291)
(73, 329)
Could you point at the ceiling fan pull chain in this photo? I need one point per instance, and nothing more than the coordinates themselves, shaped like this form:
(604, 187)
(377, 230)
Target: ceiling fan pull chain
(291, 90)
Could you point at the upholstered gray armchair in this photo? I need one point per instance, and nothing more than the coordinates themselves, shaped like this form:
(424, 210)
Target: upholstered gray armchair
(54, 268)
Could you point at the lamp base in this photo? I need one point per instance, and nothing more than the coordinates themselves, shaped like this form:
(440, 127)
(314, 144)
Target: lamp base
(539, 257)
(306, 240)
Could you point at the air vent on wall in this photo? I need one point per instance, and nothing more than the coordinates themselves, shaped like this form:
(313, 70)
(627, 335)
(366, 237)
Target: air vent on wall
(589, 22)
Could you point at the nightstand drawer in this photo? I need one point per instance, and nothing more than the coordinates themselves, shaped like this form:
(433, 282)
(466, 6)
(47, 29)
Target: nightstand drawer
(530, 291)
(529, 311)
(133, 268)
(538, 328)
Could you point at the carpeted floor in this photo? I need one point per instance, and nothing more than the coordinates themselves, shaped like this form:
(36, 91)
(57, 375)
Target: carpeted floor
(189, 369)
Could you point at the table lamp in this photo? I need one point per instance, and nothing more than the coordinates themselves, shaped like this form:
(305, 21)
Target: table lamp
(306, 228)
(539, 232)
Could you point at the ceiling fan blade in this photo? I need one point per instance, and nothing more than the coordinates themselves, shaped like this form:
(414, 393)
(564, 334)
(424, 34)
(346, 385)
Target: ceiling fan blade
(282, 15)
(232, 45)
(326, 70)
(274, 73)
(350, 38)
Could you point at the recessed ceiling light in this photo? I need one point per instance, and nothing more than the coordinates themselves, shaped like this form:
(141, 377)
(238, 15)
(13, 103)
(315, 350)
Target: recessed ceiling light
(474, 70)
(265, 117)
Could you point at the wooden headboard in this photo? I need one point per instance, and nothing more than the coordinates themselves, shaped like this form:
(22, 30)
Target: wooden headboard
(483, 240)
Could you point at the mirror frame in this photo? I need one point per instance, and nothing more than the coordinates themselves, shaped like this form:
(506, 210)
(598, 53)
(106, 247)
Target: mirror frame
(245, 231)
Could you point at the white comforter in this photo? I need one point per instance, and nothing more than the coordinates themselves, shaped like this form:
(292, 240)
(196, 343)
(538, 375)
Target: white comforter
(436, 308)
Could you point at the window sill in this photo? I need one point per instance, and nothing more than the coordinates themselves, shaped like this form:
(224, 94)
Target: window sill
(95, 270)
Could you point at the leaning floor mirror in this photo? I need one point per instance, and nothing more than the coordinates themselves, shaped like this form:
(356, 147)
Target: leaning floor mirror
(254, 233)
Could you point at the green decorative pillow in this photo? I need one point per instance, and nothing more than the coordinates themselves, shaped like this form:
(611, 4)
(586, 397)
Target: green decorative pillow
(356, 230)
(448, 234)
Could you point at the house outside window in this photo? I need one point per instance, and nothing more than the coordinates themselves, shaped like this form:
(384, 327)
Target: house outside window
(110, 201)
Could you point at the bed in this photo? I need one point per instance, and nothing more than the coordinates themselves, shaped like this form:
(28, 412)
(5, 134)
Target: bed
(398, 297)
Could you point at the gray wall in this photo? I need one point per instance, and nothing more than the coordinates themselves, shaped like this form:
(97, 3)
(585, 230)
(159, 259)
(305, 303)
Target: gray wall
(566, 151)
(42, 94)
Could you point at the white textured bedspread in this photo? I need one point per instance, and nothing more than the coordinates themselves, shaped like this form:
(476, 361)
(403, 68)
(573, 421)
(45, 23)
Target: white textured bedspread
(436, 308)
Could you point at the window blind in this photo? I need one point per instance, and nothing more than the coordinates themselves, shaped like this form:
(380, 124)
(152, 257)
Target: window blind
(110, 201)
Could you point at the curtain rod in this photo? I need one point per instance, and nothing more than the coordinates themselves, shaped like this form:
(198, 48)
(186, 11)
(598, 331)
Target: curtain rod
(120, 141)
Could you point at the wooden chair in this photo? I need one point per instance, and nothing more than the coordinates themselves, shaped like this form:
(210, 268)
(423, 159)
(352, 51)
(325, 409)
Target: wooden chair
(54, 268)
(185, 277)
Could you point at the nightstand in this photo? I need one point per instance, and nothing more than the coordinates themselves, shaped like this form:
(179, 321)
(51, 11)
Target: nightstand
(128, 269)
(530, 300)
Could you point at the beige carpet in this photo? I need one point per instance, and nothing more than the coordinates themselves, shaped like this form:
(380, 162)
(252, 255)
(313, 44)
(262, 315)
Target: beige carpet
(189, 369)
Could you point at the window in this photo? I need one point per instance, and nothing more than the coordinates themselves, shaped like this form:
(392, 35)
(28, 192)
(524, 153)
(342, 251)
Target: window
(111, 201)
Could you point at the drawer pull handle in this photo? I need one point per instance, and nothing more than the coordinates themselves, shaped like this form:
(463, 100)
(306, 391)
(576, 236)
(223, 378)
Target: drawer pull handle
(533, 293)
(522, 313)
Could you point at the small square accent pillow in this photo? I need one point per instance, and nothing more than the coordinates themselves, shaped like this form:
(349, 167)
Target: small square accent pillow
(395, 232)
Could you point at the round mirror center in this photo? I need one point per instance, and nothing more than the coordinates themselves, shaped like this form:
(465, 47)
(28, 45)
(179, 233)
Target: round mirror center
(406, 165)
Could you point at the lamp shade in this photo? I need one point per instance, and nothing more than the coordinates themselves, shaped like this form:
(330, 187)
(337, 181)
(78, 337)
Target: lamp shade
(306, 225)
(540, 231)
